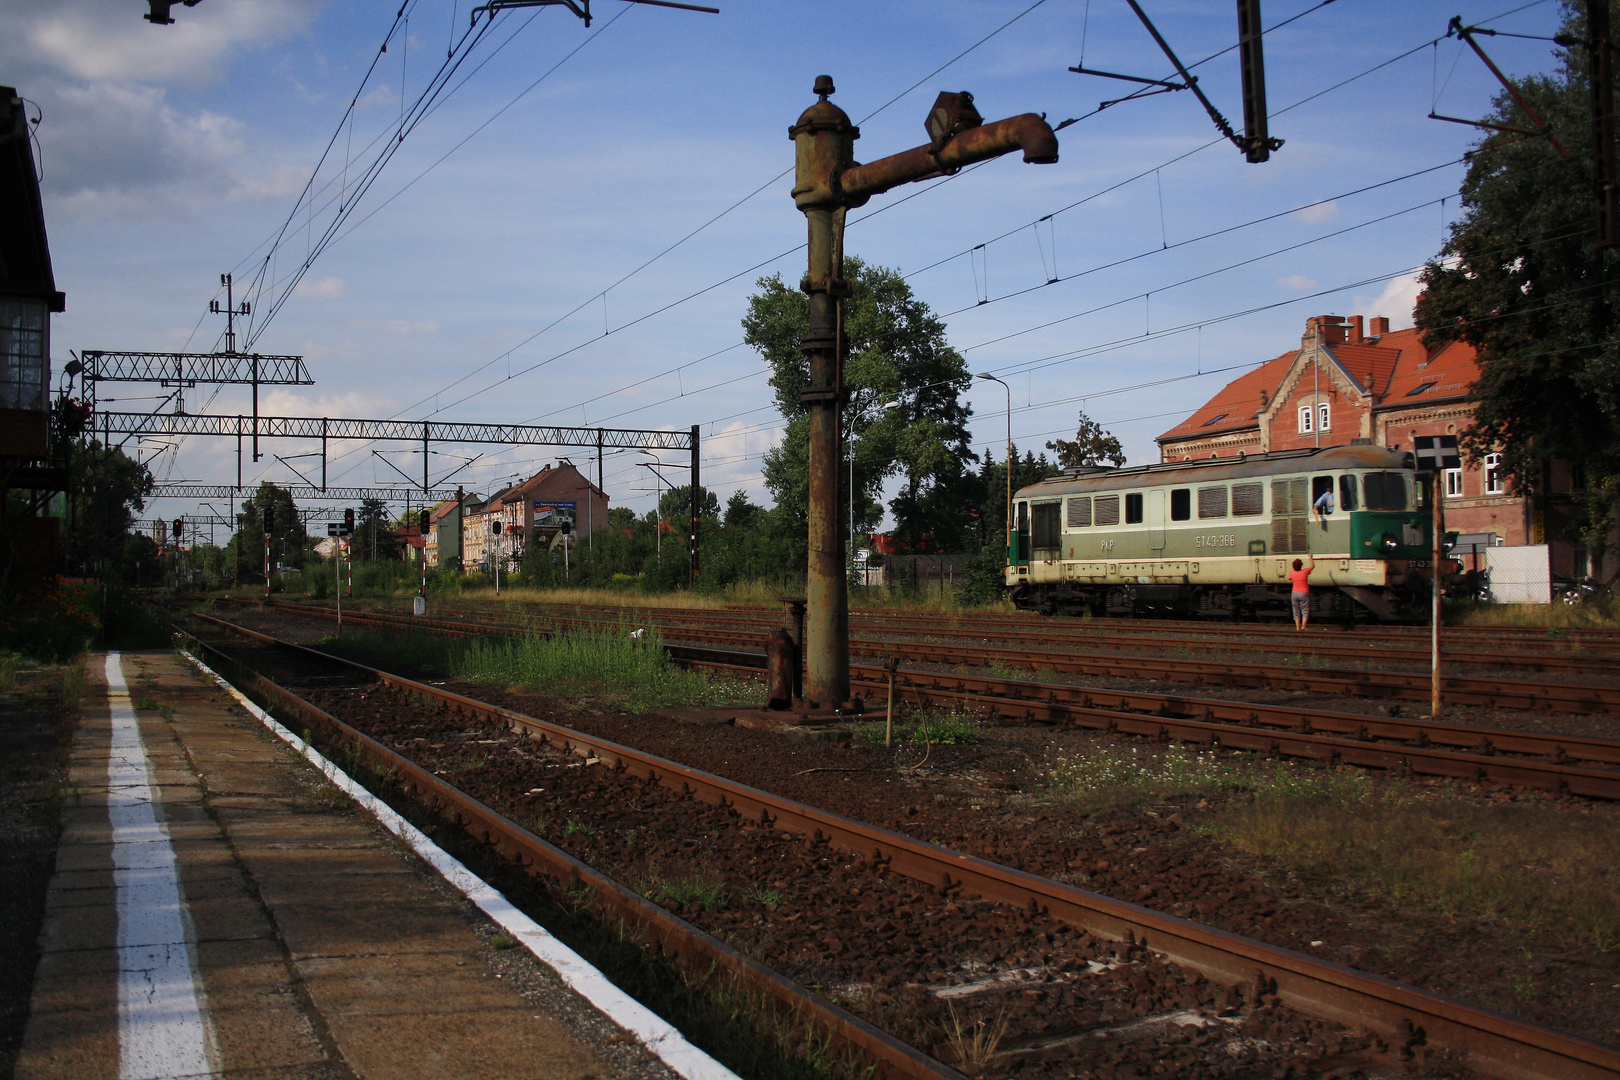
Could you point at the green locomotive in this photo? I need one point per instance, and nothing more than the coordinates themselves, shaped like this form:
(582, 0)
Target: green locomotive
(1218, 537)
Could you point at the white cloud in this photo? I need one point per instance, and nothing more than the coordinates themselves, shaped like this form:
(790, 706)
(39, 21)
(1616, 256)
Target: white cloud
(1297, 282)
(92, 41)
(112, 143)
(1319, 213)
(1396, 301)
(326, 288)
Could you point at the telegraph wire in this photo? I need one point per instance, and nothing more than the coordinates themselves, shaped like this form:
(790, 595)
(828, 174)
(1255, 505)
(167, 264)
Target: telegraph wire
(1215, 141)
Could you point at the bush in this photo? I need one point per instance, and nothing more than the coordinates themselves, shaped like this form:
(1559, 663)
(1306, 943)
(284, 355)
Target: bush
(48, 621)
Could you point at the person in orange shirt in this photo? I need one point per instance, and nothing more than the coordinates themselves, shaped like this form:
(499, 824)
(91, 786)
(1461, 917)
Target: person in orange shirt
(1300, 575)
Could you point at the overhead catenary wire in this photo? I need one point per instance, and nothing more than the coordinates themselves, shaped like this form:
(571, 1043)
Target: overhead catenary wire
(726, 350)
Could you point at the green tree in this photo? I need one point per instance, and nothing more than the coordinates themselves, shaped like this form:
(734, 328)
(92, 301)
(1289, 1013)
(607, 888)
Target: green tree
(1091, 445)
(904, 415)
(106, 490)
(1521, 279)
(675, 505)
(288, 541)
(373, 533)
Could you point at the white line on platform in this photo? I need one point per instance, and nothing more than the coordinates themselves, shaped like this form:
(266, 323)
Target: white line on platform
(162, 1034)
(659, 1036)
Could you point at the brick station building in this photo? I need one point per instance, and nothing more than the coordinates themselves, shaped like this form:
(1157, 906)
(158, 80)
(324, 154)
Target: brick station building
(1354, 380)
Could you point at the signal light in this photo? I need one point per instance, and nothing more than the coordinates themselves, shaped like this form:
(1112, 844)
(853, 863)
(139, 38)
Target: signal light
(348, 522)
(178, 527)
(269, 519)
(423, 520)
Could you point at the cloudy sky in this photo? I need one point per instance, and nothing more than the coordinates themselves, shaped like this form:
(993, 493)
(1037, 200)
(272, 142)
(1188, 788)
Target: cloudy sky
(569, 230)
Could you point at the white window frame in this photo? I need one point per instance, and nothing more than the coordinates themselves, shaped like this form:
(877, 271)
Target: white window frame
(1494, 484)
(1306, 412)
(1454, 483)
(1323, 417)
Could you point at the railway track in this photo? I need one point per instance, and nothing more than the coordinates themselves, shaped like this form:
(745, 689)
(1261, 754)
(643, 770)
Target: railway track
(1573, 765)
(1517, 694)
(1402, 1016)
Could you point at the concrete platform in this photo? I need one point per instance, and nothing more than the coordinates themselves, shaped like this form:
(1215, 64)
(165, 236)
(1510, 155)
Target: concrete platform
(220, 909)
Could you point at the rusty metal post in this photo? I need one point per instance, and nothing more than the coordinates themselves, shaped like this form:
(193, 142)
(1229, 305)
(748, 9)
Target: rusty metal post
(1435, 587)
(827, 182)
(825, 145)
(795, 606)
(780, 661)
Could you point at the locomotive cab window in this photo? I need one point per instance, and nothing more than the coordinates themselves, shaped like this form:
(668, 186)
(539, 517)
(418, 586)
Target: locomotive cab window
(1047, 526)
(1347, 493)
(1133, 509)
(1023, 532)
(1320, 486)
(1384, 490)
(1180, 504)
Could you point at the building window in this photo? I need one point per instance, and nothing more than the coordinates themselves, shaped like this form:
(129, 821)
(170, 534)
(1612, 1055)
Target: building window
(24, 329)
(1322, 417)
(1493, 475)
(1304, 419)
(1454, 485)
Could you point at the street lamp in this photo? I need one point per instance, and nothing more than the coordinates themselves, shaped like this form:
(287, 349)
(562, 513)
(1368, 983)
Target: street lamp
(658, 523)
(991, 378)
(886, 405)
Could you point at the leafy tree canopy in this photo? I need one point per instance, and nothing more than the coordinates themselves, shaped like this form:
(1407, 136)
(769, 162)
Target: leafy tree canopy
(1522, 280)
(897, 353)
(1091, 445)
(108, 489)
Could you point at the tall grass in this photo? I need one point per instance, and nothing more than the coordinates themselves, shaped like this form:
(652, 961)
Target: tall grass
(1594, 614)
(608, 665)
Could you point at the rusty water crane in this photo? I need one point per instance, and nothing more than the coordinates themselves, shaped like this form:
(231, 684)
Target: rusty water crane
(827, 183)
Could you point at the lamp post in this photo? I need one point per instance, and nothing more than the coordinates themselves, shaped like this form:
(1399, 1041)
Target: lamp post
(658, 522)
(1007, 539)
(827, 183)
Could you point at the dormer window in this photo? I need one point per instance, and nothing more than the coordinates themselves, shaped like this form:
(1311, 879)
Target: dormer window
(1212, 421)
(1419, 388)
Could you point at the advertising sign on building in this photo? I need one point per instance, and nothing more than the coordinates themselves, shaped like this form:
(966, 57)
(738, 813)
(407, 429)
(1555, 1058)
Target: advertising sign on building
(551, 515)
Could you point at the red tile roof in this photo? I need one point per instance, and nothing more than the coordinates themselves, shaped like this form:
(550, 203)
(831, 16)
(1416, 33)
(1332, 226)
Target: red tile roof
(1396, 364)
(1238, 403)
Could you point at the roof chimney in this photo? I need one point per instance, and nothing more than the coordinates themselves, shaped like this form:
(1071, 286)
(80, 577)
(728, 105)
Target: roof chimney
(1380, 327)
(1331, 329)
(1357, 337)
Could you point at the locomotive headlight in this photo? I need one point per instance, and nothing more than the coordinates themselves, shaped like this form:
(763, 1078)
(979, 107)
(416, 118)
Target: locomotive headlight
(1389, 542)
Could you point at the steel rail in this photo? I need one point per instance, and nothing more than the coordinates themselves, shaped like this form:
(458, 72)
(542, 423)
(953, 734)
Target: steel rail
(697, 953)
(1413, 686)
(1402, 1016)
(1460, 654)
(1562, 763)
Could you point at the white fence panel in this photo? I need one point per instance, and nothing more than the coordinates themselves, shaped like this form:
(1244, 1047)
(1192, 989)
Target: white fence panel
(1520, 575)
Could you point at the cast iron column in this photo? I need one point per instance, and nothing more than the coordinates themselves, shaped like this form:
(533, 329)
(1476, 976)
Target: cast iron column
(825, 141)
(827, 182)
